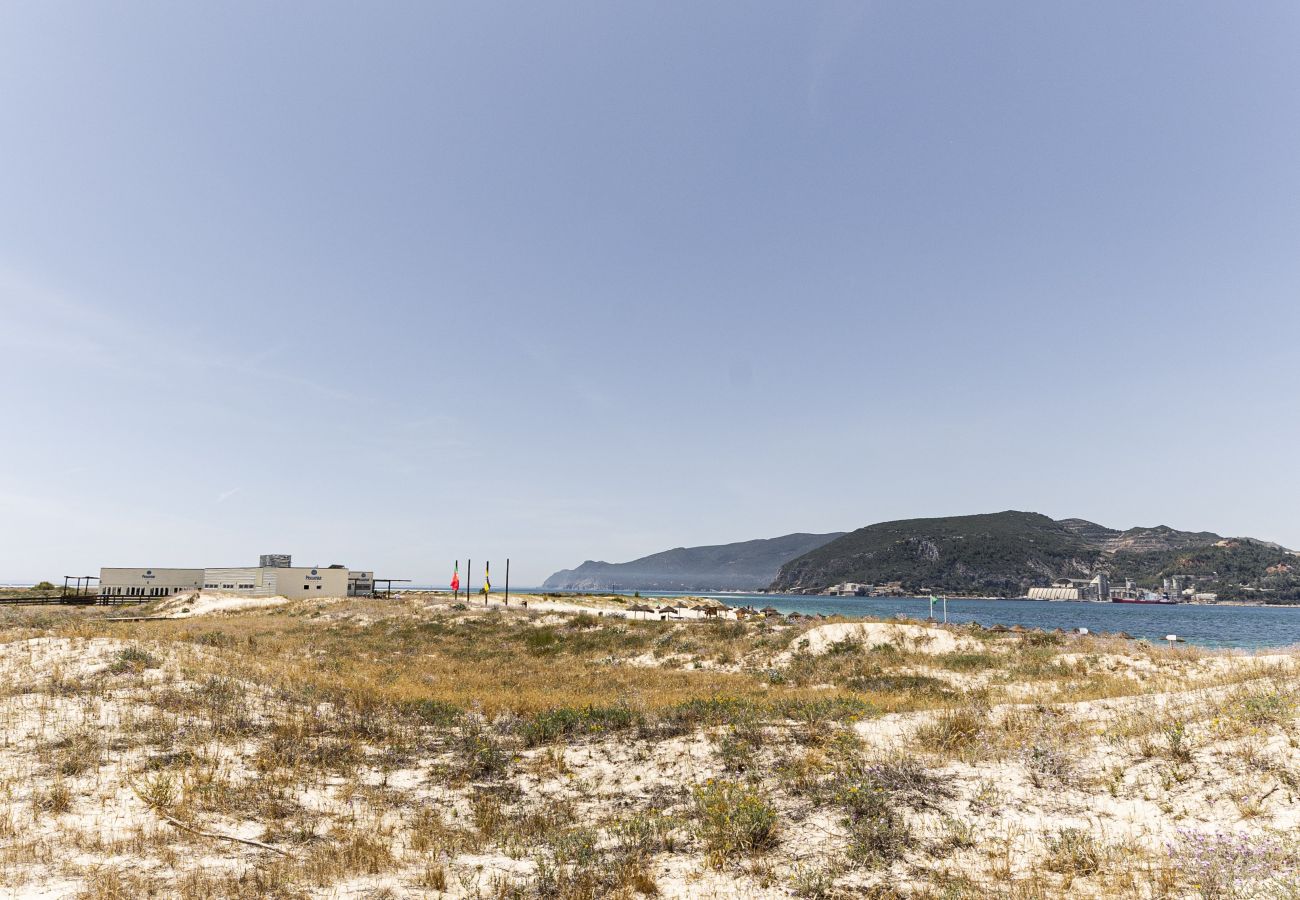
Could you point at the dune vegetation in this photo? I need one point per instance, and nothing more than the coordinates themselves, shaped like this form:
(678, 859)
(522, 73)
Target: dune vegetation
(368, 748)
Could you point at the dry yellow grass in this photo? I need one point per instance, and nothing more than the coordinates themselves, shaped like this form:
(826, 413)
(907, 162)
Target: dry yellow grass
(391, 750)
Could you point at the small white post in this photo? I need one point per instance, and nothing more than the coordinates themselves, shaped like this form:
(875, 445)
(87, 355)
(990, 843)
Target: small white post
(1172, 639)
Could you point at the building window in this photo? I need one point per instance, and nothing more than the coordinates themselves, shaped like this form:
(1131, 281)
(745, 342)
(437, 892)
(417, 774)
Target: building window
(306, 587)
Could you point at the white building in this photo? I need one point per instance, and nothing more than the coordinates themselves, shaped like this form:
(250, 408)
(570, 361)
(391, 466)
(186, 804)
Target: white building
(251, 581)
(294, 582)
(124, 583)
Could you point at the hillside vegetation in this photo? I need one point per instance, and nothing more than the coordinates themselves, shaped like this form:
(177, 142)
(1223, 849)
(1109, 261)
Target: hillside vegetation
(1006, 553)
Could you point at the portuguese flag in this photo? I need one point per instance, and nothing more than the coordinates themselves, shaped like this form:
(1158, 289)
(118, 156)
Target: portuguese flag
(455, 577)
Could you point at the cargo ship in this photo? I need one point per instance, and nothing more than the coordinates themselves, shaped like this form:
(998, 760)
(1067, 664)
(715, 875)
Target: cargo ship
(1154, 601)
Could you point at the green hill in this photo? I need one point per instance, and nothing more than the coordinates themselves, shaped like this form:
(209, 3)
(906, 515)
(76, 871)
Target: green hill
(1006, 553)
(998, 553)
(1235, 569)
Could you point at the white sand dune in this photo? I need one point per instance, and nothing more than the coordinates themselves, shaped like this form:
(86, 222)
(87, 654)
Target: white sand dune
(184, 606)
(920, 638)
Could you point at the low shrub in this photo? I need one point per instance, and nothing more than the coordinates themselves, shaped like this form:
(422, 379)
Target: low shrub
(916, 685)
(706, 712)
(134, 660)
(481, 754)
(1048, 763)
(878, 834)
(567, 722)
(1042, 639)
(905, 780)
(57, 799)
(968, 662)
(216, 639)
(732, 818)
(433, 712)
(1263, 707)
(1073, 851)
(954, 731)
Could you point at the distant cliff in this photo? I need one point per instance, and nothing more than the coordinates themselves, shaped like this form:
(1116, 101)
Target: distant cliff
(744, 566)
(1006, 553)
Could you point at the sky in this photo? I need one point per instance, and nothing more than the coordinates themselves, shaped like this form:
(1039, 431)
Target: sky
(394, 284)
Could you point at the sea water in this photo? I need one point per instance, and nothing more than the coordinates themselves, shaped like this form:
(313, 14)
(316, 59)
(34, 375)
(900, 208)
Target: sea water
(1246, 627)
(1243, 627)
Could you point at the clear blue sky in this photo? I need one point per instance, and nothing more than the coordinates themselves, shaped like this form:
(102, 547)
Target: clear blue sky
(389, 284)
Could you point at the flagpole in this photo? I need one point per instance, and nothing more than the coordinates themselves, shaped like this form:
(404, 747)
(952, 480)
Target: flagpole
(507, 581)
(455, 591)
(469, 576)
(945, 609)
(487, 581)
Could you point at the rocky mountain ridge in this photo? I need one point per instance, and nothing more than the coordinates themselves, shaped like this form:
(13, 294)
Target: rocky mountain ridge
(741, 566)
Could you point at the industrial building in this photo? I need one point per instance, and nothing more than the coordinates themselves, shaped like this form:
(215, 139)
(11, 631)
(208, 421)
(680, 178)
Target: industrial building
(278, 578)
(1095, 589)
(146, 583)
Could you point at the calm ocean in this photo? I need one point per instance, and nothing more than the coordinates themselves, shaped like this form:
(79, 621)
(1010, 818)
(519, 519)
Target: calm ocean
(1245, 627)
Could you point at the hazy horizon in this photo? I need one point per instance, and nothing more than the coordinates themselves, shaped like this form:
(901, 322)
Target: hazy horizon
(393, 285)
